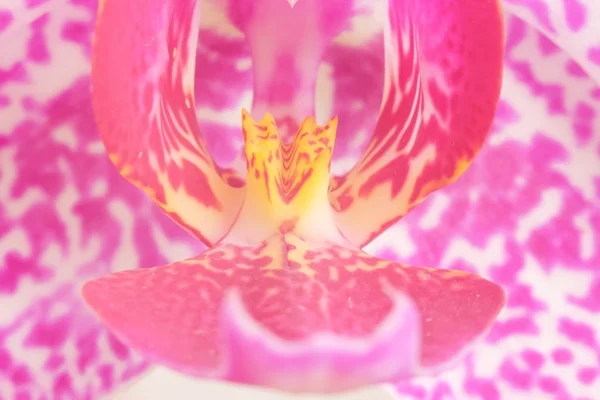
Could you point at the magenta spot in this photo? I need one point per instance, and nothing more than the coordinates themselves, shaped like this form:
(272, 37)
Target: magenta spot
(519, 379)
(547, 47)
(515, 33)
(520, 296)
(5, 360)
(575, 70)
(49, 334)
(16, 268)
(63, 385)
(533, 359)
(106, 373)
(594, 55)
(16, 73)
(587, 375)
(88, 350)
(37, 48)
(77, 32)
(575, 13)
(5, 101)
(484, 388)
(549, 384)
(54, 362)
(506, 113)
(21, 376)
(578, 332)
(595, 93)
(562, 356)
(35, 3)
(118, 348)
(30, 104)
(6, 18)
(583, 122)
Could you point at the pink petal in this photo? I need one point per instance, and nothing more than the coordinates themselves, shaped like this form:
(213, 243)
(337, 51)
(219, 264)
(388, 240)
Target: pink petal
(145, 109)
(328, 317)
(443, 79)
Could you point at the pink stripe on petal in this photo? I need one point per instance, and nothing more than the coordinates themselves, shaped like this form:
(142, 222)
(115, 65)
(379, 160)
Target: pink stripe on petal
(145, 109)
(441, 88)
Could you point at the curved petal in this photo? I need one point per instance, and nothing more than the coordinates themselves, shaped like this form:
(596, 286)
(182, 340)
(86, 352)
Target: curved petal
(143, 91)
(443, 77)
(305, 318)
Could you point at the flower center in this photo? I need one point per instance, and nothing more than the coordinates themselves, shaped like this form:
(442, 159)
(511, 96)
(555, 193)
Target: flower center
(287, 183)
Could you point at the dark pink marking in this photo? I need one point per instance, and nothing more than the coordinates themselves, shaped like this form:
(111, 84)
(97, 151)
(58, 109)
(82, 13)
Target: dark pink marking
(533, 359)
(575, 13)
(594, 54)
(49, 334)
(485, 388)
(522, 380)
(35, 3)
(6, 18)
(546, 45)
(574, 69)
(550, 384)
(37, 48)
(578, 332)
(587, 375)
(583, 122)
(562, 356)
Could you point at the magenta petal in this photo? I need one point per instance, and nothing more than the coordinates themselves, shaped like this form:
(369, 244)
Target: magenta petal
(145, 111)
(443, 74)
(285, 312)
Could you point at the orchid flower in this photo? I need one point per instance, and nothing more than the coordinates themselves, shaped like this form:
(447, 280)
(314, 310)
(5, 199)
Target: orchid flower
(284, 296)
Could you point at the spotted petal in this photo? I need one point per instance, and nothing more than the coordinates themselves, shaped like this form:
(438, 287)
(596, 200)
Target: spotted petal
(145, 109)
(295, 316)
(442, 83)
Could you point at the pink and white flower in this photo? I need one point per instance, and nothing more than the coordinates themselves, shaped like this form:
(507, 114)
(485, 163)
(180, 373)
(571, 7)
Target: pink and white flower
(284, 284)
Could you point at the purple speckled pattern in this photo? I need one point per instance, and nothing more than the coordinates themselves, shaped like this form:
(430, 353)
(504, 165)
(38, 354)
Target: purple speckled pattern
(526, 214)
